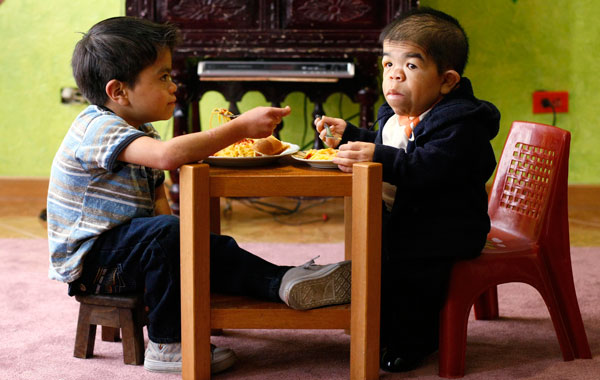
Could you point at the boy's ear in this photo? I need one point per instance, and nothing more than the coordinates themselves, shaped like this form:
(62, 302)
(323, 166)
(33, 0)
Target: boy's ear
(117, 92)
(451, 78)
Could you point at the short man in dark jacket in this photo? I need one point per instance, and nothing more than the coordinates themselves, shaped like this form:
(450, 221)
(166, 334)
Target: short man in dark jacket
(434, 143)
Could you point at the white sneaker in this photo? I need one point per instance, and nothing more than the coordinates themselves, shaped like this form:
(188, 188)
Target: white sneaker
(309, 286)
(166, 357)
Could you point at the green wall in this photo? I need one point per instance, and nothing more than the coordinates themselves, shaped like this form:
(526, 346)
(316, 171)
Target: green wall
(37, 39)
(520, 46)
(517, 47)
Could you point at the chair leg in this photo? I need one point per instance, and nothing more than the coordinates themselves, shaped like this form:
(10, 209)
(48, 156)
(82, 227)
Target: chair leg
(453, 339)
(133, 337)
(486, 305)
(561, 301)
(110, 334)
(569, 308)
(85, 336)
(561, 284)
(559, 272)
(559, 323)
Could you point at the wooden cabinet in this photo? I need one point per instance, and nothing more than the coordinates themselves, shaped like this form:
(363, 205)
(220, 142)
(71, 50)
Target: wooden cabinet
(299, 30)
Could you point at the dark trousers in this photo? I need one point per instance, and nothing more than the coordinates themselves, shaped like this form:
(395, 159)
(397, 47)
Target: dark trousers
(413, 289)
(143, 256)
(412, 294)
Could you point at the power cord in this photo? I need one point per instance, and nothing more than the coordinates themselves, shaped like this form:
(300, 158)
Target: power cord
(547, 103)
(281, 214)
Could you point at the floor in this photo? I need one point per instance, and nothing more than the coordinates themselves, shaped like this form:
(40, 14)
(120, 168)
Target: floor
(307, 220)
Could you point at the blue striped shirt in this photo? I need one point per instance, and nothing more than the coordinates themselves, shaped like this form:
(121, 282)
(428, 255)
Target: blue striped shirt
(91, 191)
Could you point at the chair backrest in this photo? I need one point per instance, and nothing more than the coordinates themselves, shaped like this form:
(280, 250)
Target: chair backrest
(531, 179)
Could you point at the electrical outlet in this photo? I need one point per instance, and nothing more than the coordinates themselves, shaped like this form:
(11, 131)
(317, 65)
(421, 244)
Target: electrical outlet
(71, 95)
(545, 101)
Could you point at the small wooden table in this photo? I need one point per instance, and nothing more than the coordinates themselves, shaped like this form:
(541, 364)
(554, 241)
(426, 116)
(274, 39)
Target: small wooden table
(201, 189)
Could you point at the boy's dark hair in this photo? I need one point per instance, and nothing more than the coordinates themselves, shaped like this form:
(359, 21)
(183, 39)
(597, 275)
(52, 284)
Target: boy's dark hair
(440, 35)
(118, 48)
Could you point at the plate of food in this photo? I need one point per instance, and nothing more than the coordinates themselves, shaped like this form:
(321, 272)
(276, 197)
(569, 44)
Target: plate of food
(253, 152)
(317, 158)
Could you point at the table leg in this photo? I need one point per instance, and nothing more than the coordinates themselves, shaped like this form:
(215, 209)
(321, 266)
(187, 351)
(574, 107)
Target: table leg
(347, 233)
(347, 228)
(215, 227)
(215, 215)
(366, 271)
(195, 280)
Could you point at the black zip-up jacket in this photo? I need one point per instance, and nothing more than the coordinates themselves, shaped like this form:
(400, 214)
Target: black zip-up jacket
(440, 209)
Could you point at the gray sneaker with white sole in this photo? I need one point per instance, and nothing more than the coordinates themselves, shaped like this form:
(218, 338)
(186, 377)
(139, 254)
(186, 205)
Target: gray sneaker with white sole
(310, 286)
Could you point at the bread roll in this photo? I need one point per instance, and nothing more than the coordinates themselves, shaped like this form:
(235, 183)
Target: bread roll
(269, 146)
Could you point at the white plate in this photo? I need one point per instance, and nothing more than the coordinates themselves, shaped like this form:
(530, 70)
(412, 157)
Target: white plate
(251, 161)
(320, 164)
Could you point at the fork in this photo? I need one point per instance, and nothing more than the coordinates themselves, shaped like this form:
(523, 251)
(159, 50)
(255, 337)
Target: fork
(329, 135)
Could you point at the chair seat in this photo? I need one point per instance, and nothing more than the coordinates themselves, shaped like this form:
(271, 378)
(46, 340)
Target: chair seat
(499, 241)
(121, 301)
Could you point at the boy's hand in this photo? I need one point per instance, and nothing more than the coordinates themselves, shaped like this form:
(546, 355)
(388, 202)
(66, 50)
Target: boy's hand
(161, 203)
(259, 122)
(353, 151)
(336, 126)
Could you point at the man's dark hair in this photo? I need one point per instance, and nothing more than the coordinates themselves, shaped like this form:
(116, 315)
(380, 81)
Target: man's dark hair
(440, 35)
(118, 48)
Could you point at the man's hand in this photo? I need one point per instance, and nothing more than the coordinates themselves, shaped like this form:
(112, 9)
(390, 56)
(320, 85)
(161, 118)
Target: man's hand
(336, 126)
(353, 151)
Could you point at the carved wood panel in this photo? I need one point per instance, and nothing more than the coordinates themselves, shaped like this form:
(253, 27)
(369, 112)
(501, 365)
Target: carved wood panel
(211, 14)
(316, 30)
(332, 14)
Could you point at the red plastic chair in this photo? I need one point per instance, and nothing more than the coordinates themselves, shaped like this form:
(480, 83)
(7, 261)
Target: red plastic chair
(528, 243)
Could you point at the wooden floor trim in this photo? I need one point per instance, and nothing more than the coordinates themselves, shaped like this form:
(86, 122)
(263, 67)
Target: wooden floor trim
(17, 188)
(25, 189)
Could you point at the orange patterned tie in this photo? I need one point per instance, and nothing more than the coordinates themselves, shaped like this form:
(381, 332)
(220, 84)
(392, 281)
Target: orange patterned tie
(409, 123)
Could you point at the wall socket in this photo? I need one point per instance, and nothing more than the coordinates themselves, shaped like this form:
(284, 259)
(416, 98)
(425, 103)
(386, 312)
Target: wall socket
(545, 101)
(71, 95)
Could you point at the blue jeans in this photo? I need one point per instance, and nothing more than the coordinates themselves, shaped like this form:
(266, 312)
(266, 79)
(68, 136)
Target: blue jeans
(143, 256)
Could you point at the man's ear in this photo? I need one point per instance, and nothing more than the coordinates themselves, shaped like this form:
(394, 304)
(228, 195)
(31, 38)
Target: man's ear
(117, 92)
(451, 78)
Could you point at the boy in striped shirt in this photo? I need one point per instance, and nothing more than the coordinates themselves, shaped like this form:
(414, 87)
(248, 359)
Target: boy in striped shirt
(110, 228)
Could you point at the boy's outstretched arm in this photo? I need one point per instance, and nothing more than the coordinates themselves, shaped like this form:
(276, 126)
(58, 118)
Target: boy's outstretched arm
(168, 155)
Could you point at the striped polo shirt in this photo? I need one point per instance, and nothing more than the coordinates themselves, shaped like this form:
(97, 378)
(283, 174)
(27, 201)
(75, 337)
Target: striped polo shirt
(91, 191)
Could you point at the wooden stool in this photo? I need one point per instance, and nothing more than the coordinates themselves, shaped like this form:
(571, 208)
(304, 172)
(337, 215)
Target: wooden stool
(112, 312)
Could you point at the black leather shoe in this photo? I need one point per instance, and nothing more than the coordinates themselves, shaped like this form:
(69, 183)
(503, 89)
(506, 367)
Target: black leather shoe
(392, 361)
